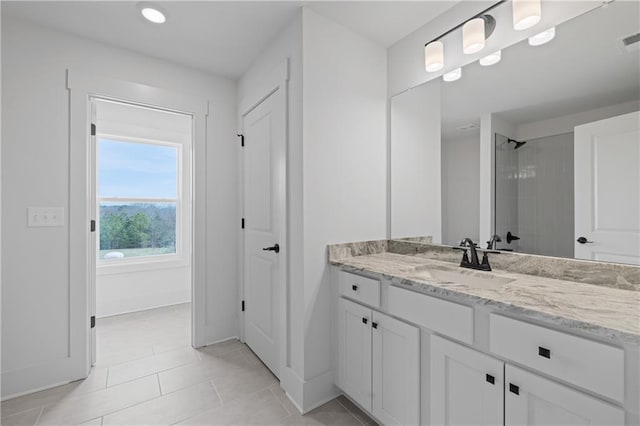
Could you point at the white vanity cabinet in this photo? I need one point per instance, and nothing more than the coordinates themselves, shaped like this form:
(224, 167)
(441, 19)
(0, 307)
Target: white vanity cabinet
(535, 401)
(467, 386)
(379, 363)
(478, 366)
(470, 387)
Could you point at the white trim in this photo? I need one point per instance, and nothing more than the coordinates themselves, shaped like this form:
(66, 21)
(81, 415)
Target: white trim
(81, 87)
(276, 81)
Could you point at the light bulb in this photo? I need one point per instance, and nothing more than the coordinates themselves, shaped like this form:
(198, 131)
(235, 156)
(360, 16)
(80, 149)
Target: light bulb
(452, 75)
(543, 37)
(491, 59)
(434, 56)
(526, 13)
(473, 36)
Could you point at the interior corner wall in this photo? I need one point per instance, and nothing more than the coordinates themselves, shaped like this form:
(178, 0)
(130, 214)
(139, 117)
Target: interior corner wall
(35, 172)
(345, 168)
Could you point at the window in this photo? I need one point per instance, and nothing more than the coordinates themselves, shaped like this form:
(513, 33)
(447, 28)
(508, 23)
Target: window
(138, 196)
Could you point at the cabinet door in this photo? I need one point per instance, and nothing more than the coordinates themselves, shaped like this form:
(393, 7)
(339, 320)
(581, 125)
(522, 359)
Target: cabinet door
(396, 371)
(354, 351)
(467, 386)
(532, 400)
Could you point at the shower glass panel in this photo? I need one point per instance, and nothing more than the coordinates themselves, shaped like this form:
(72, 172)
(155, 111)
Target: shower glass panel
(506, 190)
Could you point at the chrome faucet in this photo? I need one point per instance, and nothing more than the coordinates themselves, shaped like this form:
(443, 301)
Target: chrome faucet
(474, 263)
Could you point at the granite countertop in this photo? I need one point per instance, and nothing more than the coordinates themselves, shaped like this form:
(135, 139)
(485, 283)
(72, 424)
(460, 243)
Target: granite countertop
(606, 312)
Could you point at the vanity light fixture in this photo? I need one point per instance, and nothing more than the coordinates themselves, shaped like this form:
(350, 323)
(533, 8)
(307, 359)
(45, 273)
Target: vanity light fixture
(152, 13)
(543, 37)
(452, 75)
(491, 59)
(473, 36)
(434, 56)
(526, 13)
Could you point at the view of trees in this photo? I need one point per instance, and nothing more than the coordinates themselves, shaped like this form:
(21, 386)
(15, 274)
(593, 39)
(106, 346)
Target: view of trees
(137, 226)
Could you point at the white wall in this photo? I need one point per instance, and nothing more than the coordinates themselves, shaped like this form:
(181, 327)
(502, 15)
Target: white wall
(566, 123)
(344, 134)
(288, 45)
(416, 163)
(337, 159)
(35, 167)
(460, 188)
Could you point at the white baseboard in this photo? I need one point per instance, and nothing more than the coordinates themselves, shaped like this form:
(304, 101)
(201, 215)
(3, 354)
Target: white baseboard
(319, 390)
(27, 380)
(308, 394)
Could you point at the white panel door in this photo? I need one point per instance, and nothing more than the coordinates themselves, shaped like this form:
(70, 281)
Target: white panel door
(396, 371)
(354, 351)
(467, 387)
(263, 129)
(607, 189)
(533, 401)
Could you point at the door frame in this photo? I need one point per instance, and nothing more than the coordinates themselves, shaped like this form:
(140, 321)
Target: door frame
(83, 86)
(277, 81)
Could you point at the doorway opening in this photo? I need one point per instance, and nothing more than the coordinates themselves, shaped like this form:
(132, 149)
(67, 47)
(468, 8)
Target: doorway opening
(141, 204)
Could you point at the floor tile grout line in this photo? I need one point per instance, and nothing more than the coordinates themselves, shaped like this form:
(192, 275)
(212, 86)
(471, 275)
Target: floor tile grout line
(349, 411)
(39, 415)
(280, 402)
(22, 411)
(158, 382)
(215, 389)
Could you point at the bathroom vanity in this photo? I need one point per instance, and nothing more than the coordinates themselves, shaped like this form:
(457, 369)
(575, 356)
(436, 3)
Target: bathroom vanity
(419, 340)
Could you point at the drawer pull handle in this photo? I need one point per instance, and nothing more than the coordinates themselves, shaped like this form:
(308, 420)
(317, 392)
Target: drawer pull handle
(544, 352)
(364, 320)
(491, 379)
(354, 287)
(374, 325)
(514, 389)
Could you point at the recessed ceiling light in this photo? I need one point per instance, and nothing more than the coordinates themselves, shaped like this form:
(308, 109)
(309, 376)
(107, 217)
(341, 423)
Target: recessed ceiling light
(452, 75)
(543, 37)
(491, 59)
(152, 13)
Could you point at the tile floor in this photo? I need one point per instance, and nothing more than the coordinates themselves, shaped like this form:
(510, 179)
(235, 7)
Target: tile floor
(147, 373)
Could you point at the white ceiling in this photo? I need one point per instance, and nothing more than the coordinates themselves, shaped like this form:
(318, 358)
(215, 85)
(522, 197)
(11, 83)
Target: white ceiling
(583, 68)
(221, 37)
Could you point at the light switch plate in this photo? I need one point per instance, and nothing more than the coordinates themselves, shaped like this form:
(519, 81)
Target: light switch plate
(45, 216)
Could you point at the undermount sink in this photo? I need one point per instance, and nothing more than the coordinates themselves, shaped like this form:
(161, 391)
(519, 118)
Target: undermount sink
(463, 276)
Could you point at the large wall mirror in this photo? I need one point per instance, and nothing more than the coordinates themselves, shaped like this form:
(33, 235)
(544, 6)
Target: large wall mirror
(541, 149)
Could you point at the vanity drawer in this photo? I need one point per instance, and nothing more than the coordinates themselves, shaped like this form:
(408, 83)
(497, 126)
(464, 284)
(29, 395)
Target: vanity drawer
(447, 318)
(585, 363)
(363, 289)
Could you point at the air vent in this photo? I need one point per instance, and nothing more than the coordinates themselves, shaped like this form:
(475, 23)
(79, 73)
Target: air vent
(630, 43)
(467, 127)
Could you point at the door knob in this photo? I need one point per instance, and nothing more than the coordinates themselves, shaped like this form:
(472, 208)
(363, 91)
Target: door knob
(275, 248)
(583, 240)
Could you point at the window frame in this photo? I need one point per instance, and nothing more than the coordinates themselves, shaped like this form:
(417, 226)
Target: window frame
(181, 257)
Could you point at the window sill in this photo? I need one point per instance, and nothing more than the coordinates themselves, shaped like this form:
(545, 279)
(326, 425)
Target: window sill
(140, 265)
